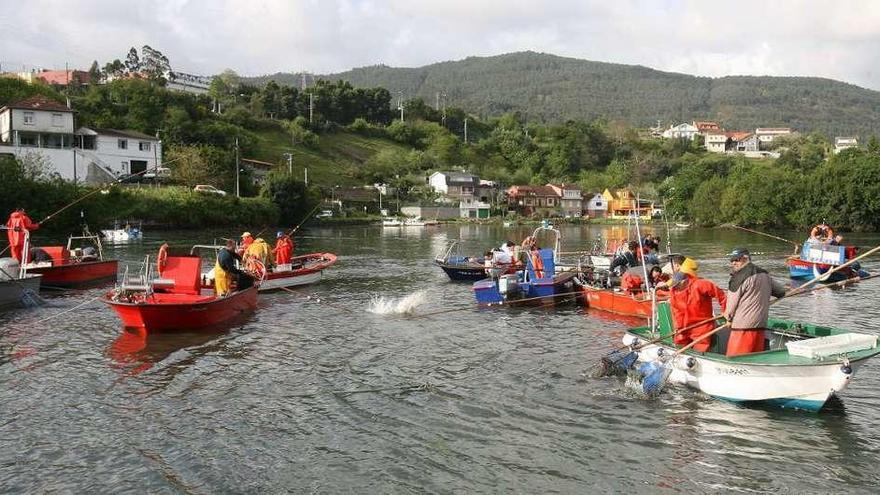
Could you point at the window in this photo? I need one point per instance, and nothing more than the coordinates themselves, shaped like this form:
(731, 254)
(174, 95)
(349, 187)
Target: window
(122, 143)
(29, 118)
(599, 204)
(57, 120)
(124, 167)
(144, 146)
(29, 140)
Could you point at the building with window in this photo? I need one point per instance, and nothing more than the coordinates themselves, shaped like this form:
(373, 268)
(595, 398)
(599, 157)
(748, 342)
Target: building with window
(766, 135)
(529, 200)
(41, 130)
(454, 186)
(112, 153)
(597, 206)
(571, 200)
(843, 142)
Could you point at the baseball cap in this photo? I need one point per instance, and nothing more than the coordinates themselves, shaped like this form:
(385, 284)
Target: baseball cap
(689, 267)
(738, 253)
(279, 234)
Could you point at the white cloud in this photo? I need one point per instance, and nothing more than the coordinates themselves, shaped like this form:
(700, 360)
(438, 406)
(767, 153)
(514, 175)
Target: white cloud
(820, 37)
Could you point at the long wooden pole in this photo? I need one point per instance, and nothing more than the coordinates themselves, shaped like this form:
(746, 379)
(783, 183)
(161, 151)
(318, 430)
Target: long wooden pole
(795, 244)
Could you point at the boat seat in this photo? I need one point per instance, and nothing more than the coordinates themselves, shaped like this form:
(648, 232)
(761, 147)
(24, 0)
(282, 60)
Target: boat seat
(185, 274)
(549, 264)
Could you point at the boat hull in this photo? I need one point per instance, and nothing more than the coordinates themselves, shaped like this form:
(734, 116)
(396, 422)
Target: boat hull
(73, 275)
(11, 291)
(310, 269)
(801, 269)
(170, 312)
(491, 291)
(620, 303)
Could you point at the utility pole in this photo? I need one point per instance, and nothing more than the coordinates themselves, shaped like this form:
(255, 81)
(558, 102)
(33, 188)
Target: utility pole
(443, 119)
(311, 107)
(400, 104)
(237, 169)
(307, 176)
(289, 163)
(465, 130)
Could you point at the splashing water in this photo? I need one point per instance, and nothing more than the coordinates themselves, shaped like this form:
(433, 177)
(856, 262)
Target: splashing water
(405, 305)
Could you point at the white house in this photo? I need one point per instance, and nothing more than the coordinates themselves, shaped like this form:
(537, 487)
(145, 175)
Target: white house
(597, 206)
(843, 142)
(40, 129)
(570, 199)
(768, 134)
(189, 83)
(454, 185)
(473, 208)
(114, 153)
(681, 131)
(716, 141)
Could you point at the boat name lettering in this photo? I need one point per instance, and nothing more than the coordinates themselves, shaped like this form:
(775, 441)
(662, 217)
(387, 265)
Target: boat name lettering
(733, 371)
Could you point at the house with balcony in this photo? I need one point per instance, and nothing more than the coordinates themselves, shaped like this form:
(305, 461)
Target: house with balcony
(623, 203)
(42, 129)
(107, 154)
(704, 127)
(742, 142)
(571, 200)
(454, 186)
(529, 200)
(597, 206)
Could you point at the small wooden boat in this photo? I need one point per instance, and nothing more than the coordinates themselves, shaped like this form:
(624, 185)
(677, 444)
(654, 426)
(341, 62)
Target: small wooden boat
(71, 266)
(620, 302)
(683, 225)
(817, 258)
(805, 366)
(302, 270)
(177, 301)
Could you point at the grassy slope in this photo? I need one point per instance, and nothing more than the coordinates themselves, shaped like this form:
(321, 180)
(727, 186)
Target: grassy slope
(334, 162)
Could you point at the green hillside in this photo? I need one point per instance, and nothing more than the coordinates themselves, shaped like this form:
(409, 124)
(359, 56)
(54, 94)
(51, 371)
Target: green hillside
(551, 89)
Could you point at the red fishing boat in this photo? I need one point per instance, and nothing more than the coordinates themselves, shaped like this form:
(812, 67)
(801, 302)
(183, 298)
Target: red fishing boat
(71, 266)
(620, 302)
(177, 301)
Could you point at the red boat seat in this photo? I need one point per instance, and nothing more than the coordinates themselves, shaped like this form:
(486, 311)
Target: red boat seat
(185, 271)
(59, 254)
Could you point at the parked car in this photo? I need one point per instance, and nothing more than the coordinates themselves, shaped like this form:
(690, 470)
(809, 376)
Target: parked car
(204, 188)
(157, 172)
(324, 214)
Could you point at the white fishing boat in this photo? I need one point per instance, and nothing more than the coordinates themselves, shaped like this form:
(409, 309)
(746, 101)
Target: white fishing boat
(805, 366)
(683, 225)
(408, 222)
(127, 232)
(391, 222)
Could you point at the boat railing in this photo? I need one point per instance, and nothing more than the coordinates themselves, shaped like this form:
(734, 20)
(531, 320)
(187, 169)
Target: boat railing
(546, 227)
(87, 236)
(453, 248)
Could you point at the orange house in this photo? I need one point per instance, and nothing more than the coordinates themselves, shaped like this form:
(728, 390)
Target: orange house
(622, 203)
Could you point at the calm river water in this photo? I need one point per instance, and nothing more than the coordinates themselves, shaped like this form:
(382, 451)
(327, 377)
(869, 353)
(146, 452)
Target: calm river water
(315, 394)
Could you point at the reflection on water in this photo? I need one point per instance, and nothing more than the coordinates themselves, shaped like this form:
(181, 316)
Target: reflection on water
(318, 394)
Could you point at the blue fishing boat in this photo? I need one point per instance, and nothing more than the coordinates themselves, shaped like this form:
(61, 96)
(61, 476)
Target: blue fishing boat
(816, 258)
(537, 281)
(461, 268)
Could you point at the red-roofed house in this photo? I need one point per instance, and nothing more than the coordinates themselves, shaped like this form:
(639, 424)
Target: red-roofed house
(528, 200)
(703, 127)
(742, 141)
(63, 77)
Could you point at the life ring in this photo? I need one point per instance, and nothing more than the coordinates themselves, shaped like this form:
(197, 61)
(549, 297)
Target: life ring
(162, 258)
(822, 232)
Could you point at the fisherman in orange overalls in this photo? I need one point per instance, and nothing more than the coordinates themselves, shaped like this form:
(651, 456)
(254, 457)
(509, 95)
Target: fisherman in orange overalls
(19, 224)
(283, 249)
(691, 301)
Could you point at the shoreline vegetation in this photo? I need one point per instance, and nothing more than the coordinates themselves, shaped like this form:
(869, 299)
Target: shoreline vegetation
(354, 138)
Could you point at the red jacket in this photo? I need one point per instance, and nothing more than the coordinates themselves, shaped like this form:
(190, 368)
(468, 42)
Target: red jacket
(17, 224)
(693, 303)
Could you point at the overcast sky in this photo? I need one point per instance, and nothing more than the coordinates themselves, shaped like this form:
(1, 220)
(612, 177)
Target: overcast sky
(827, 38)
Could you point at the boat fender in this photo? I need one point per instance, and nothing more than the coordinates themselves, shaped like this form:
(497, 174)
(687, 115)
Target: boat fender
(686, 363)
(630, 340)
(659, 353)
(841, 379)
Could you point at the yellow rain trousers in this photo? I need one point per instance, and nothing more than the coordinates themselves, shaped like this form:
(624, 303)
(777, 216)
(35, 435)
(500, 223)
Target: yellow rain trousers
(222, 280)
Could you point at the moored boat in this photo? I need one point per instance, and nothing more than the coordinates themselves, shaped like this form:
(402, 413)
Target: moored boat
(620, 302)
(125, 233)
(805, 365)
(177, 301)
(71, 266)
(467, 268)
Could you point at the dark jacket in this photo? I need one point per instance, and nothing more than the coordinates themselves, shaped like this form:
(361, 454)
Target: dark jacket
(748, 299)
(226, 259)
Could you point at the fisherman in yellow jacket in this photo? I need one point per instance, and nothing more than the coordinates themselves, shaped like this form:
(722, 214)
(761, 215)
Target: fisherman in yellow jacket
(225, 269)
(259, 249)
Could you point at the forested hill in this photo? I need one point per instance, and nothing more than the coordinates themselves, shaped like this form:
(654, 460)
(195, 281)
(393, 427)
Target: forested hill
(553, 89)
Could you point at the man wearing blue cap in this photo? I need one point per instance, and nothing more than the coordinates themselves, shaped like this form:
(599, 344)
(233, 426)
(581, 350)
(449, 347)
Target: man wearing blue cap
(748, 303)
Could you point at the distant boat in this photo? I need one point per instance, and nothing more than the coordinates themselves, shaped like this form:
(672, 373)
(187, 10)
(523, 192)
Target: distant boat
(682, 225)
(408, 222)
(125, 233)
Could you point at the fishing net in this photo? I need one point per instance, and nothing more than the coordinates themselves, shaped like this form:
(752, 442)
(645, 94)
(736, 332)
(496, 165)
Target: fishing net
(616, 363)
